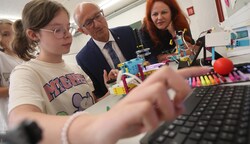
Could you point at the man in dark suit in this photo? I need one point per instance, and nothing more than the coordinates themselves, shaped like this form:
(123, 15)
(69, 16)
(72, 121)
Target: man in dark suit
(94, 58)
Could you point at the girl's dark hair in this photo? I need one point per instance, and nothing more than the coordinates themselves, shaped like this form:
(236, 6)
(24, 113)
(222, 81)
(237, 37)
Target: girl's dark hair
(179, 20)
(36, 15)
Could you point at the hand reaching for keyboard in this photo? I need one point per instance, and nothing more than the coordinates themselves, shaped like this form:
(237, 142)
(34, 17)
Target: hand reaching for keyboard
(149, 104)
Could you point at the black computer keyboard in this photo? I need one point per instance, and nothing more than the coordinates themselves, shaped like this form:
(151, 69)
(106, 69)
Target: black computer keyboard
(214, 115)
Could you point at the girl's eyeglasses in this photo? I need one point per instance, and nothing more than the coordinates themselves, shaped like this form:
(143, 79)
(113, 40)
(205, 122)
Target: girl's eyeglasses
(60, 32)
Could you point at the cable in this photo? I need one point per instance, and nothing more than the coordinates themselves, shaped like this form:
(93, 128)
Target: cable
(133, 76)
(183, 39)
(206, 31)
(119, 77)
(120, 74)
(201, 63)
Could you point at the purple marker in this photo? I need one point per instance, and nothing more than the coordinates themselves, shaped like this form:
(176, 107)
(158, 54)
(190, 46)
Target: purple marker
(242, 75)
(236, 75)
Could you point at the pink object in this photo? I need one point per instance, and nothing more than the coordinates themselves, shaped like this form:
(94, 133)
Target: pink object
(227, 3)
(141, 72)
(231, 77)
(198, 81)
(193, 82)
(125, 84)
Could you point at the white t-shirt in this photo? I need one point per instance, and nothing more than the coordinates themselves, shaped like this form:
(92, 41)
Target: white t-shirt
(7, 64)
(57, 89)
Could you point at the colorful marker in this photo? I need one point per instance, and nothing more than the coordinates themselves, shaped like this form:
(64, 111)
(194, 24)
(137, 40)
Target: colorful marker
(207, 80)
(236, 76)
(242, 75)
(231, 77)
(213, 82)
(190, 81)
(198, 82)
(203, 82)
(193, 82)
(216, 78)
(221, 77)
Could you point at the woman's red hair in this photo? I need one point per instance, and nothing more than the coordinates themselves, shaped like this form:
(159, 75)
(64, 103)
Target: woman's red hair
(178, 19)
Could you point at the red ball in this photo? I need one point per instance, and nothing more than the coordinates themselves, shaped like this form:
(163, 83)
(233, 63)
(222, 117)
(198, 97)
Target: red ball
(223, 66)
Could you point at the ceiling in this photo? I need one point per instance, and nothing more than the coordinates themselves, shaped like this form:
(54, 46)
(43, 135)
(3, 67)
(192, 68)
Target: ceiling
(12, 10)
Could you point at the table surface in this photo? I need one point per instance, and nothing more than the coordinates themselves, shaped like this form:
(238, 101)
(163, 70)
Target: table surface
(111, 100)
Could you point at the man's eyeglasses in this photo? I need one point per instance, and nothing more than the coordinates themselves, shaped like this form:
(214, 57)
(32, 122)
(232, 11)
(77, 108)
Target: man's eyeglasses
(89, 22)
(60, 32)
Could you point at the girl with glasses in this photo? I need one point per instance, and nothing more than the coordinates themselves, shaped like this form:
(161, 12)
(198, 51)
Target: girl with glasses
(54, 94)
(46, 83)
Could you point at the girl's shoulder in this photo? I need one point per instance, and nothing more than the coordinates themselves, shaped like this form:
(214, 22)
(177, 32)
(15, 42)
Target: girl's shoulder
(2, 55)
(24, 66)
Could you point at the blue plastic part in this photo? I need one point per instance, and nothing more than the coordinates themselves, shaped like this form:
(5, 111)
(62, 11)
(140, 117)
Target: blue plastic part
(132, 65)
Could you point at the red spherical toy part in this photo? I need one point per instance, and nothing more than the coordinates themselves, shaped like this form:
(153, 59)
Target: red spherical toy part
(223, 66)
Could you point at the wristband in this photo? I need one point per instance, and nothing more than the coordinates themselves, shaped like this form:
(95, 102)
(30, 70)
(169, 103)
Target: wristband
(64, 133)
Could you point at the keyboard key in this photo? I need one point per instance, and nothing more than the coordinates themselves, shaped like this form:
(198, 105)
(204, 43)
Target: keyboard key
(161, 138)
(242, 132)
(210, 136)
(171, 134)
(226, 136)
(228, 128)
(191, 141)
(182, 117)
(193, 119)
(195, 136)
(178, 122)
(223, 142)
(185, 130)
(203, 123)
(189, 124)
(165, 132)
(178, 139)
(241, 140)
(206, 142)
(213, 129)
(199, 129)
(171, 127)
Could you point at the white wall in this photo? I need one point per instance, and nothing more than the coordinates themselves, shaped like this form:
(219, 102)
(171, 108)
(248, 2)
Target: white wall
(129, 17)
(238, 19)
(184, 4)
(204, 18)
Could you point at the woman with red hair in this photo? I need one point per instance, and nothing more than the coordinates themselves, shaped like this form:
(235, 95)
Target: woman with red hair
(163, 19)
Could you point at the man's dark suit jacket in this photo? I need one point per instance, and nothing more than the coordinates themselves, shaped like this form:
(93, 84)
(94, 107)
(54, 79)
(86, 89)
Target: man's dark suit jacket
(92, 61)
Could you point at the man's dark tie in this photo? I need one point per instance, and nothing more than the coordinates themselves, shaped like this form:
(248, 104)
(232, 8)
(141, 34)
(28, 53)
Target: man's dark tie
(112, 53)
